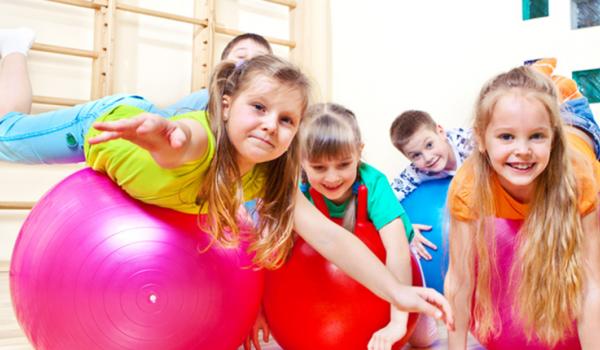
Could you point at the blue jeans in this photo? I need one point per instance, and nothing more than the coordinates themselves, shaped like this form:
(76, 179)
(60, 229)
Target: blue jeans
(58, 136)
(578, 114)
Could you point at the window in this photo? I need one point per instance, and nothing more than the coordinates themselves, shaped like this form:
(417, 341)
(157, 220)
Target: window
(585, 13)
(589, 83)
(535, 9)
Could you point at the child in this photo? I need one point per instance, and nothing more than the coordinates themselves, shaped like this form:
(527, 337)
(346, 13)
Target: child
(526, 167)
(213, 162)
(331, 148)
(434, 154)
(57, 136)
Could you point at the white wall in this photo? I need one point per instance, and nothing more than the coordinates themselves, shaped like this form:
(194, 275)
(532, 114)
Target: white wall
(153, 58)
(389, 56)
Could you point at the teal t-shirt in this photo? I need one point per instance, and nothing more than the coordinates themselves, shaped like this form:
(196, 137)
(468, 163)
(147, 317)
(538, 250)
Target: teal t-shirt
(382, 205)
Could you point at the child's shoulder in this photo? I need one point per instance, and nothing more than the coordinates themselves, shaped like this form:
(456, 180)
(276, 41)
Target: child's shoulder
(369, 173)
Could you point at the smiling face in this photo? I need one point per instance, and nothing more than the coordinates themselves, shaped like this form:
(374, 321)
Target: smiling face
(333, 178)
(429, 150)
(262, 120)
(518, 142)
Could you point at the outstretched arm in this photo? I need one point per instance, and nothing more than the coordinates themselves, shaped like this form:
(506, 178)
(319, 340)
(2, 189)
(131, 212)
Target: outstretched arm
(171, 143)
(397, 253)
(351, 255)
(458, 284)
(589, 319)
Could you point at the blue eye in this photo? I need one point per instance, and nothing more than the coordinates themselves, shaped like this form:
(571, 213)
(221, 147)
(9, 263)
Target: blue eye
(415, 156)
(505, 137)
(429, 145)
(259, 107)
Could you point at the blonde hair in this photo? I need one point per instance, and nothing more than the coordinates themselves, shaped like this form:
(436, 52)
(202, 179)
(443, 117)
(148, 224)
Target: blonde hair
(221, 191)
(330, 131)
(548, 259)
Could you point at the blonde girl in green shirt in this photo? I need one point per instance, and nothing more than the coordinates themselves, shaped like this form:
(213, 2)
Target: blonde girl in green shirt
(255, 110)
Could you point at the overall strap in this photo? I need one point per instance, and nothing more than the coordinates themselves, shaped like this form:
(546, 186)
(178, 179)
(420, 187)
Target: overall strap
(361, 205)
(319, 201)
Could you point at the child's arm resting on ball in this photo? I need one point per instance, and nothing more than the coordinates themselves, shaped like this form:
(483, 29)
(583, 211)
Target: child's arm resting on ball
(351, 255)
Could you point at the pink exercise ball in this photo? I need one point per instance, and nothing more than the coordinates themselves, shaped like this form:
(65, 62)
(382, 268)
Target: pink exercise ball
(512, 335)
(95, 269)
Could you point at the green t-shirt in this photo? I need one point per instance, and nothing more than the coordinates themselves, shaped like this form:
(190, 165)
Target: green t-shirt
(382, 205)
(136, 172)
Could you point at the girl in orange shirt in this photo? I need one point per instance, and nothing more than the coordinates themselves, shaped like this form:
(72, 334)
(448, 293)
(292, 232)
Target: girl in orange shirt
(526, 167)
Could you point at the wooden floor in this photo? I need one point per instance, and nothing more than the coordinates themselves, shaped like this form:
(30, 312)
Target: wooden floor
(11, 336)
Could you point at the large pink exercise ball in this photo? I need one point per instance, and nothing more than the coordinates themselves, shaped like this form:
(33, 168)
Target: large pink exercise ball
(512, 335)
(94, 269)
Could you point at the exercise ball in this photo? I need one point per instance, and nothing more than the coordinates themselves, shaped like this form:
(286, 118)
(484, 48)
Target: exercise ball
(310, 303)
(427, 205)
(95, 269)
(512, 335)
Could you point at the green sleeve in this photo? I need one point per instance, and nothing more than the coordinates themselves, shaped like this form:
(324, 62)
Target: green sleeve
(383, 207)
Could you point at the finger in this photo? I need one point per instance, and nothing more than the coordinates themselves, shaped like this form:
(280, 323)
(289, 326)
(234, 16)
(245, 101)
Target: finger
(119, 125)
(256, 342)
(104, 137)
(177, 138)
(422, 227)
(371, 344)
(423, 252)
(247, 343)
(428, 243)
(437, 306)
(266, 334)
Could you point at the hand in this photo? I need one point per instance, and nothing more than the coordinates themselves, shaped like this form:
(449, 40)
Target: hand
(253, 337)
(149, 131)
(419, 242)
(425, 300)
(384, 338)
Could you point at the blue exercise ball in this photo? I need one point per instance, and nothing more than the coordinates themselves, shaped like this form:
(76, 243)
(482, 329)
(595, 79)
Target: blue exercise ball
(427, 205)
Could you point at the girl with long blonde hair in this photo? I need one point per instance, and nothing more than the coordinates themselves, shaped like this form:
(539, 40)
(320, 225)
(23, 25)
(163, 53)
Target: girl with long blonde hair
(526, 167)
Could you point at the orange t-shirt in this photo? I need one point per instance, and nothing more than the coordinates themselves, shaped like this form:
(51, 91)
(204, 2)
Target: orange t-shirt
(460, 197)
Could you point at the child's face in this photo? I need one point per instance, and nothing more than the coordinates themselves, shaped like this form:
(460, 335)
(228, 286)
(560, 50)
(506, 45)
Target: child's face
(518, 143)
(333, 178)
(262, 120)
(429, 150)
(245, 50)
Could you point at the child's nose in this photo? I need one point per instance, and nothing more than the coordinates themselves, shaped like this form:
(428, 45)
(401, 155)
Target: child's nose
(269, 122)
(523, 148)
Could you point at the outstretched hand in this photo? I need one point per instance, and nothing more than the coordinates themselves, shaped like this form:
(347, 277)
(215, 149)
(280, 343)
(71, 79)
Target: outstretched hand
(425, 300)
(149, 131)
(419, 242)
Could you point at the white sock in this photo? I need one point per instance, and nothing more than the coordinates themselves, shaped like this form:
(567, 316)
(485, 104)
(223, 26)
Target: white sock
(16, 40)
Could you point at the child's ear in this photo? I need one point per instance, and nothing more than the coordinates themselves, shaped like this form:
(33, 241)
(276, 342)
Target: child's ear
(478, 141)
(440, 131)
(226, 105)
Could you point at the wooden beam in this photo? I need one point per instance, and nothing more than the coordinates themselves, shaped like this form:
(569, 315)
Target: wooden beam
(64, 50)
(95, 4)
(203, 44)
(104, 42)
(289, 3)
(235, 32)
(57, 101)
(16, 205)
(166, 15)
